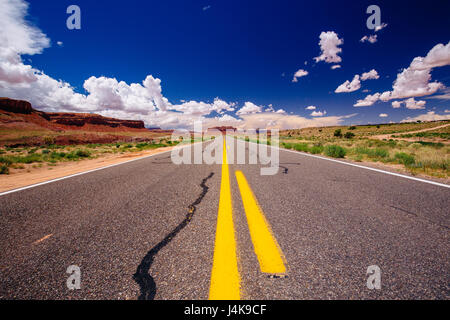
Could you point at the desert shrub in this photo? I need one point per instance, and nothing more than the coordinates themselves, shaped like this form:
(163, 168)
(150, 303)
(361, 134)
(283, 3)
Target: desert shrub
(373, 153)
(49, 140)
(335, 151)
(352, 128)
(45, 151)
(405, 158)
(83, 153)
(27, 159)
(316, 149)
(338, 133)
(349, 135)
(5, 160)
(4, 169)
(301, 147)
(142, 145)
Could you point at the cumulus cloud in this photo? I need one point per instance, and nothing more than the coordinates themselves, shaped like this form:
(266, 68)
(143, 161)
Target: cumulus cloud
(368, 100)
(318, 113)
(396, 104)
(414, 105)
(383, 115)
(372, 74)
(429, 116)
(371, 38)
(336, 66)
(249, 108)
(380, 27)
(311, 108)
(329, 45)
(281, 121)
(298, 74)
(415, 81)
(348, 86)
(60, 43)
(355, 84)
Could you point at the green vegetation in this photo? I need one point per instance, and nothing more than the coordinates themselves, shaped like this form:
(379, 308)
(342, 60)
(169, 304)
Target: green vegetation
(425, 152)
(338, 133)
(335, 151)
(18, 158)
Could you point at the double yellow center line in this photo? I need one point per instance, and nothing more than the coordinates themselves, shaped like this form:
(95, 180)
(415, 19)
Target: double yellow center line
(225, 279)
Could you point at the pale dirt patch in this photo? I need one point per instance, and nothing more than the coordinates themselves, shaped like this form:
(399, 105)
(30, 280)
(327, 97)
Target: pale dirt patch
(389, 136)
(22, 178)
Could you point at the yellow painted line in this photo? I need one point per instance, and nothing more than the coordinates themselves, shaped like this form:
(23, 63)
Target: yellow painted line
(225, 277)
(268, 252)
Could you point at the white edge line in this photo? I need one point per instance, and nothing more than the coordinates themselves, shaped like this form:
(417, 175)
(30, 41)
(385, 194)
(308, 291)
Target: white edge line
(362, 167)
(85, 172)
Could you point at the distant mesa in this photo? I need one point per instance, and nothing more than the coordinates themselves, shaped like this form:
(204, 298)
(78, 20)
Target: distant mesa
(223, 129)
(66, 120)
(16, 106)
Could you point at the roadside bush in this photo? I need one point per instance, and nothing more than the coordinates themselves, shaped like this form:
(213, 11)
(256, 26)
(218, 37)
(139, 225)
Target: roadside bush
(5, 161)
(373, 153)
(287, 145)
(338, 133)
(405, 158)
(316, 149)
(349, 135)
(301, 147)
(4, 169)
(82, 153)
(335, 151)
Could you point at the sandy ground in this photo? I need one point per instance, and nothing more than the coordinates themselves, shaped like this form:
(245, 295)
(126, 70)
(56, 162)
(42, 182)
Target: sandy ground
(389, 136)
(23, 178)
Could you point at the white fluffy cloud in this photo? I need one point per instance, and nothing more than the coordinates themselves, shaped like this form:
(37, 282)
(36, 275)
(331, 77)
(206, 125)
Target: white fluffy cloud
(355, 84)
(249, 108)
(381, 26)
(371, 38)
(383, 115)
(429, 116)
(414, 105)
(348, 86)
(318, 113)
(329, 45)
(415, 81)
(372, 74)
(311, 108)
(298, 74)
(368, 100)
(396, 104)
(336, 66)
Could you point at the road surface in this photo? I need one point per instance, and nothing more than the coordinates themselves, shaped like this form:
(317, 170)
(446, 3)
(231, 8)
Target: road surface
(147, 230)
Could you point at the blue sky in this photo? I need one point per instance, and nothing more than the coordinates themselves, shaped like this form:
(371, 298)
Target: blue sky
(238, 51)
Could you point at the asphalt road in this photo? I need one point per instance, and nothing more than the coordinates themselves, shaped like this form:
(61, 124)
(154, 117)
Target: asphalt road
(146, 230)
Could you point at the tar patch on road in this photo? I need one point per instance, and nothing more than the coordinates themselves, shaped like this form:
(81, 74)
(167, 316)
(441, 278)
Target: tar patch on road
(142, 277)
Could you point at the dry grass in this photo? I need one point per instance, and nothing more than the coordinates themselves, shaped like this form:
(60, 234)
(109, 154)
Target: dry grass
(430, 156)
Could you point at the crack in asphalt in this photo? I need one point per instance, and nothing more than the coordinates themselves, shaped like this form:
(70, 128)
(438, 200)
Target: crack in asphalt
(145, 281)
(421, 218)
